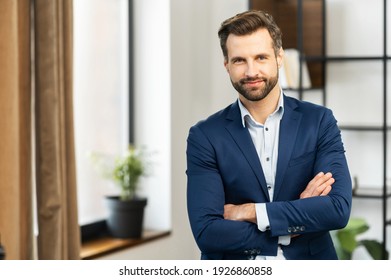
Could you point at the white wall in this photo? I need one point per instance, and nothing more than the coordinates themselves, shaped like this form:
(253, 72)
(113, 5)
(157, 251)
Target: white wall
(100, 97)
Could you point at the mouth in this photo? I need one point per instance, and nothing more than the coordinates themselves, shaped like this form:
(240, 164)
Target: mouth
(253, 83)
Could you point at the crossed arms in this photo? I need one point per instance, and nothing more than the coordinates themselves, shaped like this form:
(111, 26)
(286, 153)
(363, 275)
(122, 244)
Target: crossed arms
(320, 185)
(222, 189)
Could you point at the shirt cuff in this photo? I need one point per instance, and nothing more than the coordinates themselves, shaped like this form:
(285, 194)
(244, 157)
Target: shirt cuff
(262, 218)
(264, 223)
(284, 240)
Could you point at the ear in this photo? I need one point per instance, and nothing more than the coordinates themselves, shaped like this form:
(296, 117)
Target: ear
(226, 65)
(280, 57)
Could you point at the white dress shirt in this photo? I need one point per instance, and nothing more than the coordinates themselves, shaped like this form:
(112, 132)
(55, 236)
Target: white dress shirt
(265, 138)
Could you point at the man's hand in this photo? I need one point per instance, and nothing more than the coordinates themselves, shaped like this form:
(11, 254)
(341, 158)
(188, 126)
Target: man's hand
(319, 186)
(242, 212)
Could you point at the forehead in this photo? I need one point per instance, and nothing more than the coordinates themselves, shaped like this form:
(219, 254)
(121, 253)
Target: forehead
(259, 41)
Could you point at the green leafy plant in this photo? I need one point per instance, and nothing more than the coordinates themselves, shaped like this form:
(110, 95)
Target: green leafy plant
(346, 242)
(127, 171)
(124, 170)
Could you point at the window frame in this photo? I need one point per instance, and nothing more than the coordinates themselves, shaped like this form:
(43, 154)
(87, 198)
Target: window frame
(90, 231)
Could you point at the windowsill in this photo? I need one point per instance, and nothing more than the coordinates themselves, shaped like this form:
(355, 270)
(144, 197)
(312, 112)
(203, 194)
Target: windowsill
(105, 245)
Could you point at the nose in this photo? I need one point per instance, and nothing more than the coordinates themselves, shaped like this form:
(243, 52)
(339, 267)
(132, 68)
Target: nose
(251, 70)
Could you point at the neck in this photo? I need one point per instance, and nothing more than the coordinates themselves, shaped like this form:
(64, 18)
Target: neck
(261, 109)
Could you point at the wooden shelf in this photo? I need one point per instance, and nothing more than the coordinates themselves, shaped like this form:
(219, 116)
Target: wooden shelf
(311, 37)
(105, 245)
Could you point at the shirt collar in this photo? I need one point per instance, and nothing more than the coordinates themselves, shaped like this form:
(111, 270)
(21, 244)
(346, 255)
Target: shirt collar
(245, 113)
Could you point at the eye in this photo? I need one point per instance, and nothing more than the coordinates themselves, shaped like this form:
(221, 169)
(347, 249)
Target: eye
(237, 60)
(261, 57)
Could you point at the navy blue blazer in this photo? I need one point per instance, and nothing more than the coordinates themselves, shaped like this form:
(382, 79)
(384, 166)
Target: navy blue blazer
(223, 167)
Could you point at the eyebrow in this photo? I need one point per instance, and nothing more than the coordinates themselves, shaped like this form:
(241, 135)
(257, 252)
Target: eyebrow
(236, 58)
(256, 56)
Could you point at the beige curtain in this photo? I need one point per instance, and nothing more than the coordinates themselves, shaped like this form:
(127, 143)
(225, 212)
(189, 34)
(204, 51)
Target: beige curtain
(59, 236)
(15, 129)
(49, 69)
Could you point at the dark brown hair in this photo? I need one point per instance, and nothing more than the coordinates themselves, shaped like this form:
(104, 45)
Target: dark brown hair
(246, 23)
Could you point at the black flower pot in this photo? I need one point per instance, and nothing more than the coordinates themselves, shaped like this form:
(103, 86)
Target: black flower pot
(125, 218)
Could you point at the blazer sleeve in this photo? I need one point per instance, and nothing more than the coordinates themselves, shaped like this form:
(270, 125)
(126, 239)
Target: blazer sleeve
(205, 204)
(322, 213)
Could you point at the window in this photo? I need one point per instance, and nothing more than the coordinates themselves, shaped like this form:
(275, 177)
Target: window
(101, 96)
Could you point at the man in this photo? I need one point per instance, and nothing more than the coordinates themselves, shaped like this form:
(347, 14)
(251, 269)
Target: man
(267, 176)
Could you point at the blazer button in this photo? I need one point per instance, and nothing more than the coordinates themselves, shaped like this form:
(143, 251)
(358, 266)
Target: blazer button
(289, 229)
(302, 228)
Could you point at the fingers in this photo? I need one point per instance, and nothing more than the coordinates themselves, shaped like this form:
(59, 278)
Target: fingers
(325, 185)
(321, 179)
(326, 191)
(317, 177)
(319, 185)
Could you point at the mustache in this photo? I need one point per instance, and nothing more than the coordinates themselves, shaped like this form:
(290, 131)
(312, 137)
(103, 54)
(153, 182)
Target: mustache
(251, 79)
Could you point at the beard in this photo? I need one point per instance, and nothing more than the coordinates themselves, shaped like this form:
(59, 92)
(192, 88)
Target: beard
(255, 93)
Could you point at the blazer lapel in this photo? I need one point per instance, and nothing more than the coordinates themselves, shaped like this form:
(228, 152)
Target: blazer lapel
(242, 138)
(288, 132)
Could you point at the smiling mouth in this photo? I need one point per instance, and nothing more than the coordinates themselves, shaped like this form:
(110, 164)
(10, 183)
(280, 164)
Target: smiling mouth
(252, 82)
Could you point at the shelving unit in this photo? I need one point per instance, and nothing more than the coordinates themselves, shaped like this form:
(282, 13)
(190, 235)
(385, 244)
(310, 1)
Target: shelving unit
(303, 23)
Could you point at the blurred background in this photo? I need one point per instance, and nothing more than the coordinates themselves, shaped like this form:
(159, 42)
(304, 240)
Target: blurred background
(145, 71)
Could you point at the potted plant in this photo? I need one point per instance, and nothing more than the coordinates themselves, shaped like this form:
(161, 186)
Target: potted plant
(346, 243)
(126, 210)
